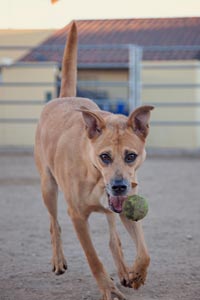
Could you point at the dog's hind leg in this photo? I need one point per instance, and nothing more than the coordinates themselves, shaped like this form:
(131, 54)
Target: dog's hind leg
(138, 272)
(50, 194)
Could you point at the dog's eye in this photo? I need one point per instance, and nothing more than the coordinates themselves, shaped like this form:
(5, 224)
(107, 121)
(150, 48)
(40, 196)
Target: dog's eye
(130, 157)
(106, 158)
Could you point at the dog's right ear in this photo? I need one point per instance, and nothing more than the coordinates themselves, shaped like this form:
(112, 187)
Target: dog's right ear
(93, 121)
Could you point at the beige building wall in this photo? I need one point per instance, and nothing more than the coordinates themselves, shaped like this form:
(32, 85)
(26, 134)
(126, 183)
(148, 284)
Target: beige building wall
(198, 101)
(114, 93)
(172, 136)
(160, 136)
(19, 132)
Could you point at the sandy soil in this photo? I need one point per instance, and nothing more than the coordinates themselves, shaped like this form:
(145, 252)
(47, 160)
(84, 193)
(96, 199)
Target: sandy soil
(172, 231)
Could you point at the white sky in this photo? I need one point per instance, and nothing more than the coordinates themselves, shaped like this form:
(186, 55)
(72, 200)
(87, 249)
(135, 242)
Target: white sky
(42, 14)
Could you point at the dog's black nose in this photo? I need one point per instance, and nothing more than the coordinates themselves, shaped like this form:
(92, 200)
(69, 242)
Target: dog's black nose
(119, 187)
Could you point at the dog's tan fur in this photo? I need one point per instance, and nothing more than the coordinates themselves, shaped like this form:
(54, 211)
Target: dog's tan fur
(71, 135)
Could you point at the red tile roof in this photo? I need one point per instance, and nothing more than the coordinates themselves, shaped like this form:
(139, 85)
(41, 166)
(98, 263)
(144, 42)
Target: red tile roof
(151, 34)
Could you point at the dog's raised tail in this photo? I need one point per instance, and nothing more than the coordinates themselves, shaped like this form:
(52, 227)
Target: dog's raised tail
(69, 64)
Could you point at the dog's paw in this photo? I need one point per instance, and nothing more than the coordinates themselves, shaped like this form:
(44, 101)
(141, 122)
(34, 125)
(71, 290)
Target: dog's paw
(137, 278)
(59, 265)
(137, 274)
(115, 294)
(109, 290)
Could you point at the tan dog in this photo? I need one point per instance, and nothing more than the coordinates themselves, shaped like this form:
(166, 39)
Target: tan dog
(92, 155)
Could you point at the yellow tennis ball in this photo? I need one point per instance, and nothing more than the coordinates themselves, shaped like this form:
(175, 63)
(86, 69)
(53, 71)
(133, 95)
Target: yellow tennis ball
(135, 207)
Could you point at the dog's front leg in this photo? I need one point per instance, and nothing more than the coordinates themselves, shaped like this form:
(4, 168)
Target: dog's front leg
(137, 273)
(106, 285)
(116, 250)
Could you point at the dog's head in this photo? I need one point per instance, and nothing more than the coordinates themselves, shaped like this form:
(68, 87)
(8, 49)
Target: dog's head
(117, 149)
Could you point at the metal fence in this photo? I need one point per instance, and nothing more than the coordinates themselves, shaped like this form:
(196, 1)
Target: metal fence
(134, 84)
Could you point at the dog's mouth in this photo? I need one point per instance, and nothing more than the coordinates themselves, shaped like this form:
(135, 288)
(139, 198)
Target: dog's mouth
(116, 203)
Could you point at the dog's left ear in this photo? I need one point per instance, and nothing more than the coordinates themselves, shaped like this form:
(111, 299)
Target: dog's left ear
(93, 121)
(139, 121)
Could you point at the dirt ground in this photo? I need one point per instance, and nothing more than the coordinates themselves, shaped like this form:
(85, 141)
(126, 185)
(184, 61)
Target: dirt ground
(172, 230)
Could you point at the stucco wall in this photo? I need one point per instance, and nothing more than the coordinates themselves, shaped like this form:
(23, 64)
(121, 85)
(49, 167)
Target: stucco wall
(114, 92)
(198, 107)
(172, 136)
(17, 132)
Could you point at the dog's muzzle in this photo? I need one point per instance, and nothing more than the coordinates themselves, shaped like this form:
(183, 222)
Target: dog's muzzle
(117, 193)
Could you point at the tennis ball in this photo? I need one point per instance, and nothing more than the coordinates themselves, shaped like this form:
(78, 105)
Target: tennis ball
(135, 207)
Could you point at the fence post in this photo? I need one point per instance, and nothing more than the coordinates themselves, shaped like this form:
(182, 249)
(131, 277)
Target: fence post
(135, 61)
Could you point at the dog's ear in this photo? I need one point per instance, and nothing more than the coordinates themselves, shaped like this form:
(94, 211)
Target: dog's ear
(139, 121)
(93, 121)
